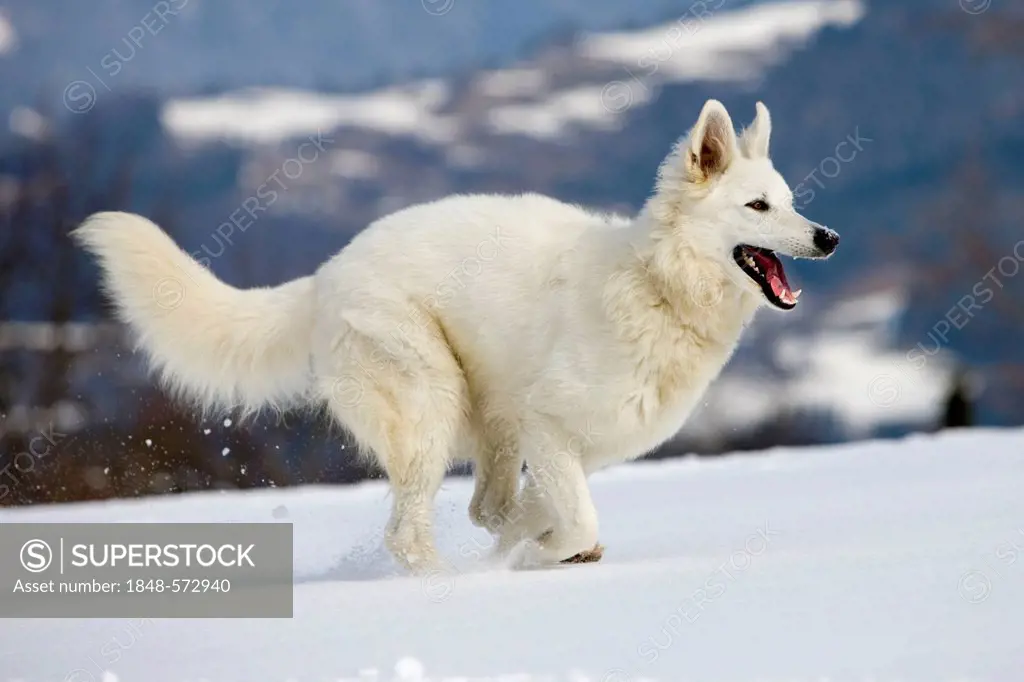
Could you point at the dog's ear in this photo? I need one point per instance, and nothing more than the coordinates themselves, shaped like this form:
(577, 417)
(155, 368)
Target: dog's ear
(754, 140)
(712, 143)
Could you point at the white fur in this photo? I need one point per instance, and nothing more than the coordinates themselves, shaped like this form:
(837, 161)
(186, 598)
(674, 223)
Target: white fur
(488, 328)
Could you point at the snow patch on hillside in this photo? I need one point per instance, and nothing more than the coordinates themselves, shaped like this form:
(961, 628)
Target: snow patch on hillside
(845, 362)
(549, 118)
(265, 115)
(722, 45)
(851, 365)
(8, 36)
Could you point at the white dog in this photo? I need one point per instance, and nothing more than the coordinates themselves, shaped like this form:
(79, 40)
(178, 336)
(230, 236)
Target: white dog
(497, 329)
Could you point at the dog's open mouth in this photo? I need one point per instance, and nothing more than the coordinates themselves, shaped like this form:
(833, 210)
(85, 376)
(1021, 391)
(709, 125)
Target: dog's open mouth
(765, 268)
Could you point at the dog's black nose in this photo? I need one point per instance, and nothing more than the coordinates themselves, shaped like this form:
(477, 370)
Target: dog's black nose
(826, 240)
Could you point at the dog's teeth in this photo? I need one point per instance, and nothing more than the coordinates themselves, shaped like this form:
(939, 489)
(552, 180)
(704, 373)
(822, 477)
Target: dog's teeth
(796, 294)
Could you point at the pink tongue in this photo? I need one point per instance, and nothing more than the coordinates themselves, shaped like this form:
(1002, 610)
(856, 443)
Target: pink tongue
(778, 286)
(776, 278)
(781, 289)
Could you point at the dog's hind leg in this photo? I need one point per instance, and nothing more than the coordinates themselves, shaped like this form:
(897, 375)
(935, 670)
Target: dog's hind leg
(409, 408)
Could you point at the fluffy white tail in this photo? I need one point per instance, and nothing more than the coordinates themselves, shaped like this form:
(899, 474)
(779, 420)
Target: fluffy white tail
(218, 346)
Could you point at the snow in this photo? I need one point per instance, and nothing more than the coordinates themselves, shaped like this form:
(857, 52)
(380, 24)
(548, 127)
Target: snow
(851, 366)
(509, 83)
(845, 360)
(76, 337)
(886, 561)
(725, 45)
(353, 163)
(8, 36)
(28, 123)
(266, 115)
(64, 416)
(549, 118)
(861, 382)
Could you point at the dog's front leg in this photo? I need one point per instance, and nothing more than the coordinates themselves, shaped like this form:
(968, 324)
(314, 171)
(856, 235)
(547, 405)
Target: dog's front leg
(558, 517)
(528, 517)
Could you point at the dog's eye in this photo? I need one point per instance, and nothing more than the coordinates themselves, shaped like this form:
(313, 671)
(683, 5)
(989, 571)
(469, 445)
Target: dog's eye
(758, 205)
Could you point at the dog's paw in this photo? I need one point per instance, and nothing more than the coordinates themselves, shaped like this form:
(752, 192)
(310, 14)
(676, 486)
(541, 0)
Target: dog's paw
(538, 553)
(587, 556)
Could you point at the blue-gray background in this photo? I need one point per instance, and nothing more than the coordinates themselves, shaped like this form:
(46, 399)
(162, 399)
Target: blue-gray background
(120, 104)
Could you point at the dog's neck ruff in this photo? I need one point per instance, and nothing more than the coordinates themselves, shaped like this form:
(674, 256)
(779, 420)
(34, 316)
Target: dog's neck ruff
(679, 317)
(661, 274)
(696, 289)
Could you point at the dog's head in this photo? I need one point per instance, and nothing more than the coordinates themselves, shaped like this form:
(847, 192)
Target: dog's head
(723, 195)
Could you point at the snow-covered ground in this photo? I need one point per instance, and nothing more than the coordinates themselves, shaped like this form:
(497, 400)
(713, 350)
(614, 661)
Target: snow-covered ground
(877, 561)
